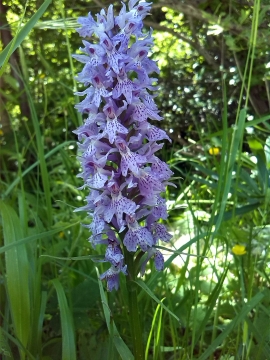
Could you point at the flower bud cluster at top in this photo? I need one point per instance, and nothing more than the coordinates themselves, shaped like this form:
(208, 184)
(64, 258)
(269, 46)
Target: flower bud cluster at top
(117, 143)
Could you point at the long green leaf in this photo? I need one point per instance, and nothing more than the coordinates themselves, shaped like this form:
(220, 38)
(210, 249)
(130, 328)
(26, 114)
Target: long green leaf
(226, 181)
(18, 344)
(95, 258)
(23, 33)
(68, 336)
(17, 275)
(4, 346)
(240, 211)
(258, 121)
(120, 345)
(153, 296)
(50, 153)
(41, 156)
(151, 331)
(239, 318)
(31, 238)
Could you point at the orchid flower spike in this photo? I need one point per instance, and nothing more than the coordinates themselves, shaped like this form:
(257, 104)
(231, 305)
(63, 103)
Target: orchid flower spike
(117, 144)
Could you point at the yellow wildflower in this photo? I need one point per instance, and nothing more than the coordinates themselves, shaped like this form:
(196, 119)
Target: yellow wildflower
(214, 151)
(239, 249)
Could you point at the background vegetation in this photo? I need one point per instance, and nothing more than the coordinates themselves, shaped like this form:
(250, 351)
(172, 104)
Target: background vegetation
(212, 300)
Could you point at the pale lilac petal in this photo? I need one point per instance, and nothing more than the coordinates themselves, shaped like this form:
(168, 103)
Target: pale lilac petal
(131, 161)
(113, 128)
(160, 210)
(120, 19)
(159, 261)
(123, 205)
(140, 113)
(160, 233)
(130, 241)
(114, 255)
(124, 87)
(155, 134)
(119, 205)
(97, 225)
(144, 238)
(112, 276)
(108, 215)
(148, 101)
(98, 180)
(161, 169)
(110, 18)
(150, 252)
(82, 58)
(139, 236)
(149, 185)
(88, 26)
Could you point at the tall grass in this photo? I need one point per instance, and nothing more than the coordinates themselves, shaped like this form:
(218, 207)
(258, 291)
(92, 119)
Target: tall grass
(208, 303)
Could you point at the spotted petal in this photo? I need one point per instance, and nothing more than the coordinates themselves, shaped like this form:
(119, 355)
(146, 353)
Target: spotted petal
(149, 185)
(159, 261)
(112, 276)
(155, 134)
(161, 169)
(138, 236)
(118, 206)
(160, 232)
(113, 128)
(124, 87)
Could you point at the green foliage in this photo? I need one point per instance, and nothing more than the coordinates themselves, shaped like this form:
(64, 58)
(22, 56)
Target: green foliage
(68, 336)
(21, 35)
(212, 300)
(17, 275)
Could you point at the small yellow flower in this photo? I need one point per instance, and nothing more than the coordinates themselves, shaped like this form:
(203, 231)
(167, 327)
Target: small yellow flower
(61, 234)
(239, 249)
(1, 132)
(214, 151)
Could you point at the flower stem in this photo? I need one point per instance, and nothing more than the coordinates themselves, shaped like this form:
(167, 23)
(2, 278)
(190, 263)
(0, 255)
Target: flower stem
(134, 313)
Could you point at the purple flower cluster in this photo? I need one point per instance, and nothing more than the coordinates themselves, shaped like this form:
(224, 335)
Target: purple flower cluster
(117, 143)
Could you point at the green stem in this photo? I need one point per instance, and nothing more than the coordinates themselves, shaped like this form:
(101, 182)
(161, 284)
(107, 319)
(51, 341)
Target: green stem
(133, 307)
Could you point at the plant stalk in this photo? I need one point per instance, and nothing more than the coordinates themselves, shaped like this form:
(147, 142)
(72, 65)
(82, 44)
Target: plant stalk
(134, 314)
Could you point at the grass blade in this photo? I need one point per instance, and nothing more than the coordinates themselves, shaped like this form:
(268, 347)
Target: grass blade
(23, 33)
(41, 156)
(68, 337)
(4, 346)
(50, 153)
(226, 181)
(150, 293)
(31, 238)
(151, 331)
(120, 345)
(17, 275)
(239, 318)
